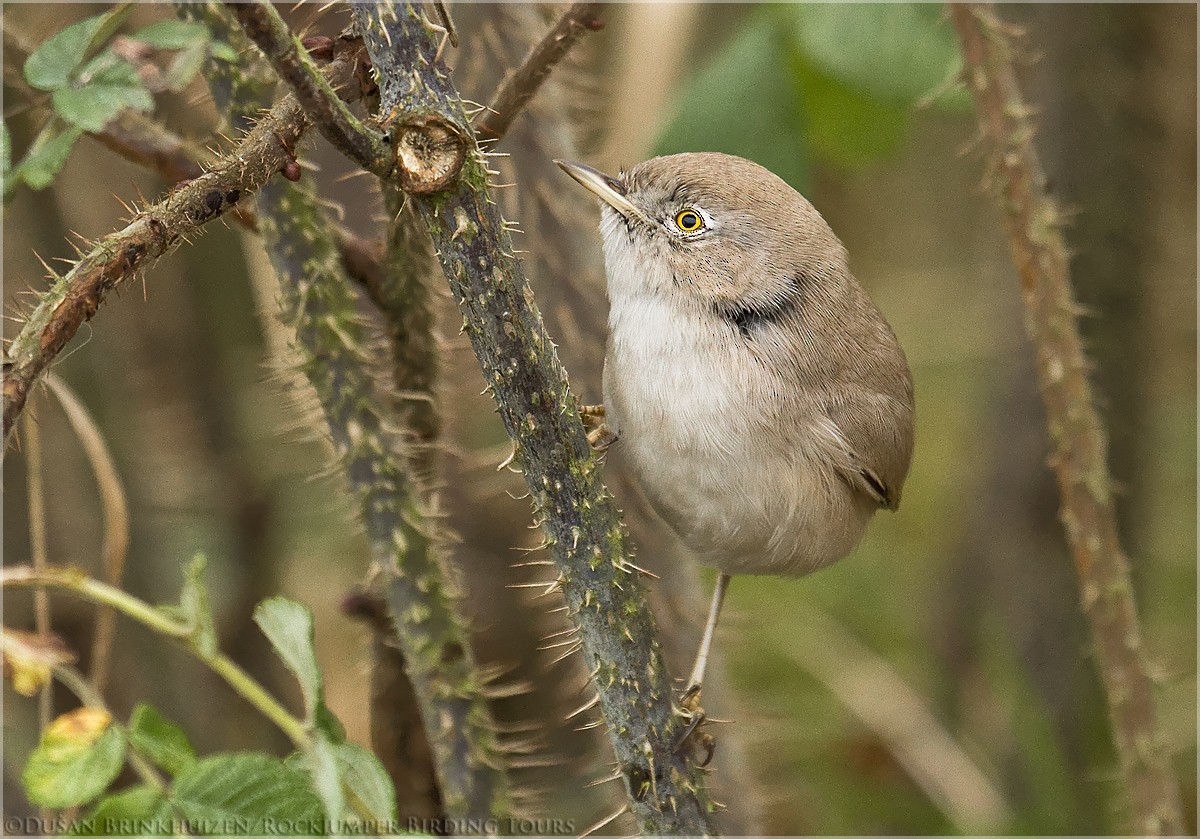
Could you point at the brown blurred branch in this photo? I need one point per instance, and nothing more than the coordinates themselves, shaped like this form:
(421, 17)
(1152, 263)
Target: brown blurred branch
(1076, 434)
(75, 296)
(397, 737)
(519, 86)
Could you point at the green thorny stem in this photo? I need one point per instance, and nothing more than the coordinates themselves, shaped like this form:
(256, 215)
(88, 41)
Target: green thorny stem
(318, 304)
(400, 519)
(1076, 434)
(445, 173)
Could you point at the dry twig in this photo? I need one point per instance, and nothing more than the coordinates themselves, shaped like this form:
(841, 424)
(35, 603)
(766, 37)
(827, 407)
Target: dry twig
(520, 85)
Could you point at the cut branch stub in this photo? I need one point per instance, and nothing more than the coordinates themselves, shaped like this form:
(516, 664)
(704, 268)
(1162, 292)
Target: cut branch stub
(430, 152)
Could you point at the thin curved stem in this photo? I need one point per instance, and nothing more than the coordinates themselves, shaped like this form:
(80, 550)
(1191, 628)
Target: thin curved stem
(74, 582)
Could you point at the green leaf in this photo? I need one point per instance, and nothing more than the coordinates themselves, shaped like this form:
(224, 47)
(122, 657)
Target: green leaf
(185, 65)
(322, 764)
(365, 778)
(92, 106)
(894, 52)
(172, 34)
(743, 102)
(329, 724)
(193, 603)
(77, 757)
(47, 157)
(50, 66)
(843, 125)
(223, 51)
(137, 811)
(247, 794)
(289, 628)
(160, 740)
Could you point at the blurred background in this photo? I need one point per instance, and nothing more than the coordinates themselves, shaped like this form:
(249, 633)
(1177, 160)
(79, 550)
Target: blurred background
(940, 679)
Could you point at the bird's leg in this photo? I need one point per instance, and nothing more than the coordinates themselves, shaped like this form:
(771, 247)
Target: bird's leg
(689, 702)
(600, 436)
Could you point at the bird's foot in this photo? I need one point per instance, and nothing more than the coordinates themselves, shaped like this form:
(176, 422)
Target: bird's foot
(600, 436)
(689, 708)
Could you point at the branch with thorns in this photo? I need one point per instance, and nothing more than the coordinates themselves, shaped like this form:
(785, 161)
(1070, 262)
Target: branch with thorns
(1077, 434)
(109, 263)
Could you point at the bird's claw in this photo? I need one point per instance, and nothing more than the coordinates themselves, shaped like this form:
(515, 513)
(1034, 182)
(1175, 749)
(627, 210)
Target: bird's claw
(600, 436)
(689, 708)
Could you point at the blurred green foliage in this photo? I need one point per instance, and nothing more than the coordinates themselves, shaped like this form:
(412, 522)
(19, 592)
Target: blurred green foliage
(834, 82)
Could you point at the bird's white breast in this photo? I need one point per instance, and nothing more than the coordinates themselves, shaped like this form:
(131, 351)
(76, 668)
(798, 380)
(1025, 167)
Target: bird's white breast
(693, 410)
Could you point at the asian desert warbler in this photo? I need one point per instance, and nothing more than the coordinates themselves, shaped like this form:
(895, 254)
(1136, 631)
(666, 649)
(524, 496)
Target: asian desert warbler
(759, 396)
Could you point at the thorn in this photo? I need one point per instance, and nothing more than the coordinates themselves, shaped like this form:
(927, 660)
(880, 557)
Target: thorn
(570, 652)
(604, 822)
(591, 677)
(555, 646)
(616, 776)
(628, 564)
(587, 706)
(569, 630)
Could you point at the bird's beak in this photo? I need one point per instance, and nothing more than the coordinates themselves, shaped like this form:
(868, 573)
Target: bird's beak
(607, 188)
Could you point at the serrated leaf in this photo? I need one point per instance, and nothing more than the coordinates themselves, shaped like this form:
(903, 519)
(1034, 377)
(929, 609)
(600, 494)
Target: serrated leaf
(197, 612)
(160, 740)
(46, 158)
(172, 34)
(364, 777)
(92, 107)
(185, 66)
(77, 757)
(743, 102)
(895, 52)
(50, 66)
(289, 628)
(137, 811)
(325, 771)
(249, 794)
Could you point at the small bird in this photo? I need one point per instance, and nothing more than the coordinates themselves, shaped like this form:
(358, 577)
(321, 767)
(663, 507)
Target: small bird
(761, 399)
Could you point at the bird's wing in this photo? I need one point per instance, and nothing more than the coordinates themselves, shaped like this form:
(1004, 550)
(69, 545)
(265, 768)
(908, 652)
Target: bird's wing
(874, 431)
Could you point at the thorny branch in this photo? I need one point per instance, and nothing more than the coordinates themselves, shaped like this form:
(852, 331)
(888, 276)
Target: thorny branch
(579, 517)
(439, 676)
(520, 85)
(1079, 447)
(75, 296)
(263, 25)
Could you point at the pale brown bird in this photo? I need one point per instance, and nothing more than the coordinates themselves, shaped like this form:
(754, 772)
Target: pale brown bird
(760, 397)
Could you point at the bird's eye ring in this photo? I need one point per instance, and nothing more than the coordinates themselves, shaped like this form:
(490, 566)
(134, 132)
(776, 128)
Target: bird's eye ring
(689, 221)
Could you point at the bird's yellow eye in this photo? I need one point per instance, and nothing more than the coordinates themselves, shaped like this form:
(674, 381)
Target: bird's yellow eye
(689, 221)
